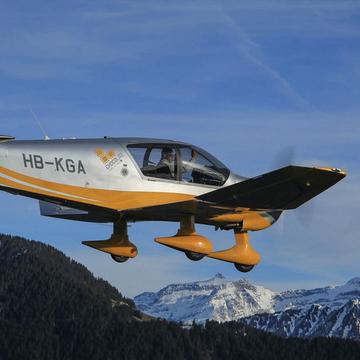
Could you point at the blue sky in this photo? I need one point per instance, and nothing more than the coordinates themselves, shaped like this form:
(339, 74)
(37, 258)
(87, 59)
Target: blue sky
(242, 79)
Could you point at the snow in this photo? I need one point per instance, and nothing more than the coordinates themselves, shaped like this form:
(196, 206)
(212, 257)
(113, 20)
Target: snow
(346, 331)
(289, 313)
(338, 322)
(217, 298)
(334, 296)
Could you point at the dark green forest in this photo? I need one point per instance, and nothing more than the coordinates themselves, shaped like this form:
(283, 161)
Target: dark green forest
(52, 307)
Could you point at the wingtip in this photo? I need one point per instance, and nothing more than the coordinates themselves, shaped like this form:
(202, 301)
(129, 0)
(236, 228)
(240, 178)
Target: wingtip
(334, 170)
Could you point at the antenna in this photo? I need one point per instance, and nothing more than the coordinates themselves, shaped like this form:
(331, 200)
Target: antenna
(39, 124)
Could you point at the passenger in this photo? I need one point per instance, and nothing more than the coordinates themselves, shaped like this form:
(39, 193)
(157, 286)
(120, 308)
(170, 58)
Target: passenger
(189, 167)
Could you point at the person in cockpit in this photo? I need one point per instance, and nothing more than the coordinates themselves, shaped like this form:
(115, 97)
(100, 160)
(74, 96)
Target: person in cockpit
(166, 164)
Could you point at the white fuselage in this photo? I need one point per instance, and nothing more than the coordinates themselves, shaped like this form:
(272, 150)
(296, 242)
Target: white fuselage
(76, 163)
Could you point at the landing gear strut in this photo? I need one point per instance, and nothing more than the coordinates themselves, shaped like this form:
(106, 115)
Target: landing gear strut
(118, 246)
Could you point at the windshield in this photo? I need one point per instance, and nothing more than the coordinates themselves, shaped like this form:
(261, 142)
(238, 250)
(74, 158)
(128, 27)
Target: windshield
(199, 167)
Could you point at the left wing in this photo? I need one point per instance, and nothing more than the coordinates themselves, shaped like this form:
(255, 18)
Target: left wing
(283, 189)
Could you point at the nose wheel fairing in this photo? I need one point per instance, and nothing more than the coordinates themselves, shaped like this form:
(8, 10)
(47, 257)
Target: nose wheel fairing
(241, 253)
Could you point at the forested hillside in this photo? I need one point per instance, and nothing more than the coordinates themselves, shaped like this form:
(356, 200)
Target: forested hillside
(53, 308)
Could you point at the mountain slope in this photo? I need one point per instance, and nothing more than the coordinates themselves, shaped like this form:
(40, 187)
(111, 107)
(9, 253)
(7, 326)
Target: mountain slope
(46, 298)
(312, 321)
(330, 311)
(333, 296)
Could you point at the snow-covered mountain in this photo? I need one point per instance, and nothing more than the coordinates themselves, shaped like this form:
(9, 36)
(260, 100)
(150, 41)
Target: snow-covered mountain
(328, 311)
(217, 299)
(311, 321)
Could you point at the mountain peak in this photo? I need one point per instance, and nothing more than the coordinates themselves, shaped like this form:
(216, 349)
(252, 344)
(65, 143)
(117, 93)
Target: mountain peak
(217, 280)
(354, 281)
(219, 276)
(217, 298)
(243, 281)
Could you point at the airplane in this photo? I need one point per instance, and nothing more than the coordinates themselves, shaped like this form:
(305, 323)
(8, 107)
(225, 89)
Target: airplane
(128, 180)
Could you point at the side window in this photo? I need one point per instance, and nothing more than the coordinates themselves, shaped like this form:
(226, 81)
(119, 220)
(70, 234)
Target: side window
(155, 160)
(138, 153)
(196, 168)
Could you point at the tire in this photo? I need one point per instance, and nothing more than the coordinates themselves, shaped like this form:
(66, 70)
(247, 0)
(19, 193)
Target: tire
(194, 256)
(243, 268)
(119, 258)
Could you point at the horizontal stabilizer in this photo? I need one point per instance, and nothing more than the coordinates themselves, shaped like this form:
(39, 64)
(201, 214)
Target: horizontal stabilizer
(56, 210)
(6, 138)
(282, 189)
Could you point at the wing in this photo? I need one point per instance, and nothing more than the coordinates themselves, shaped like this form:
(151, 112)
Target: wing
(282, 189)
(286, 188)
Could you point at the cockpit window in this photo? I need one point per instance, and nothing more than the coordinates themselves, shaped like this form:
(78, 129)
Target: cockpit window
(177, 162)
(199, 167)
(156, 160)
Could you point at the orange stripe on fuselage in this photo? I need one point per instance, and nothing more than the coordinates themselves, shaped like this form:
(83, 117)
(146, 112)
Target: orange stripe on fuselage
(113, 199)
(15, 185)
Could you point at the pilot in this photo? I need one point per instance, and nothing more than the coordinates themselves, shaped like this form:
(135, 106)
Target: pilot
(166, 164)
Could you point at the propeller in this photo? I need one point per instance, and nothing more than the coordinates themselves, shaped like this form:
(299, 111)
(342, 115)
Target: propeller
(304, 214)
(284, 157)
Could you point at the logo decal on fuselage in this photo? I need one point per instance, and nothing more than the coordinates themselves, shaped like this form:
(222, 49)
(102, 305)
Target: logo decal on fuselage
(109, 158)
(35, 161)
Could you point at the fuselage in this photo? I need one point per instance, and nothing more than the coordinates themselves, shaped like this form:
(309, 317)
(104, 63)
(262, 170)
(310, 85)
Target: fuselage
(108, 173)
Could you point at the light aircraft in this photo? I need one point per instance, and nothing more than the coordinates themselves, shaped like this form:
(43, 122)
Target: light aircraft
(122, 180)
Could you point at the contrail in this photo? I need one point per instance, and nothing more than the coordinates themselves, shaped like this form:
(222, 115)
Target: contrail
(244, 46)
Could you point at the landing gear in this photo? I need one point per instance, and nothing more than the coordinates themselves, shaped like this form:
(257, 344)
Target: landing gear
(118, 246)
(119, 258)
(187, 240)
(243, 268)
(242, 255)
(194, 256)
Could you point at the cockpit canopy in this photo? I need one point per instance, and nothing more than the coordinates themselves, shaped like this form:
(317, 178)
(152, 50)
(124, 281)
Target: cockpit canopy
(179, 162)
